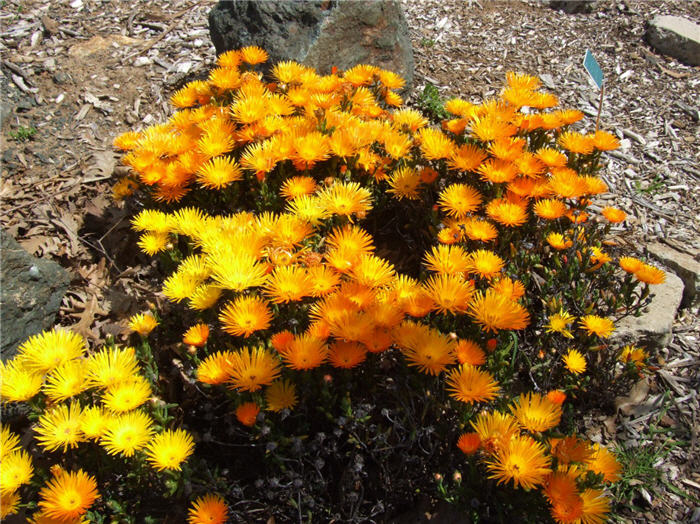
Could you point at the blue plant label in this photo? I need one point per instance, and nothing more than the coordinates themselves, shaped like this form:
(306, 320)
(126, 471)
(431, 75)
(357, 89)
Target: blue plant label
(594, 70)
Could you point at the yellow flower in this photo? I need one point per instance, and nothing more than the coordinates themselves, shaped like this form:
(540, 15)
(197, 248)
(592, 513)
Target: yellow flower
(306, 352)
(297, 186)
(216, 368)
(495, 429)
(604, 141)
(596, 506)
(372, 271)
(559, 322)
(536, 412)
(287, 284)
(67, 380)
(17, 383)
(506, 213)
(109, 367)
(469, 384)
(219, 172)
(469, 352)
(521, 460)
(450, 293)
(48, 350)
(405, 183)
(630, 264)
(59, 427)
(9, 504)
(434, 144)
(346, 199)
(143, 323)
(575, 142)
(94, 421)
(550, 208)
(127, 433)
(484, 263)
(127, 395)
(634, 355)
(557, 241)
(153, 243)
(575, 362)
(449, 260)
(495, 311)
(209, 509)
(68, 495)
(457, 200)
(595, 325)
(9, 442)
(16, 470)
(168, 450)
(253, 368)
(280, 395)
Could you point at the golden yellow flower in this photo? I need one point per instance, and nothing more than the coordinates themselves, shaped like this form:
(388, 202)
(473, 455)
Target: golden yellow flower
(495, 312)
(469, 384)
(250, 369)
(457, 200)
(280, 395)
(59, 427)
(168, 450)
(535, 412)
(245, 315)
(143, 323)
(559, 323)
(650, 274)
(595, 325)
(574, 362)
(521, 460)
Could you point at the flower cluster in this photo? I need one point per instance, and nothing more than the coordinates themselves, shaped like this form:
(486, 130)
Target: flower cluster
(80, 397)
(285, 203)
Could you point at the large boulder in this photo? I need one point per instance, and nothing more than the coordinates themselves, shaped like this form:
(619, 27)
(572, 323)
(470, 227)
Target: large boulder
(30, 294)
(675, 36)
(320, 34)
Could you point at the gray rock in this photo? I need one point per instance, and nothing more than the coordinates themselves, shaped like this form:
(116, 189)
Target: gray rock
(30, 294)
(683, 265)
(573, 7)
(675, 36)
(320, 34)
(652, 329)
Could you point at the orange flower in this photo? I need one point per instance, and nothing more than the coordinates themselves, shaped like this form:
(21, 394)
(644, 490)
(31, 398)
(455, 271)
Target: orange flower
(209, 509)
(250, 369)
(575, 142)
(650, 274)
(550, 209)
(613, 214)
(197, 335)
(306, 352)
(247, 413)
(604, 141)
(346, 354)
(630, 264)
(245, 315)
(506, 213)
(280, 341)
(469, 352)
(556, 396)
(468, 443)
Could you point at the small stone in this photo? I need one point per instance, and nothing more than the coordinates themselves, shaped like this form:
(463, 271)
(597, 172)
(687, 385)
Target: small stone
(142, 61)
(683, 265)
(652, 329)
(60, 77)
(675, 36)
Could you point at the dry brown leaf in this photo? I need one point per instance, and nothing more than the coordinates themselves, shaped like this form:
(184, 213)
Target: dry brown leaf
(102, 164)
(636, 396)
(91, 308)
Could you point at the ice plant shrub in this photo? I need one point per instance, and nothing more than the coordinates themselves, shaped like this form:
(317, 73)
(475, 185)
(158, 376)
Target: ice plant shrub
(320, 230)
(91, 410)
